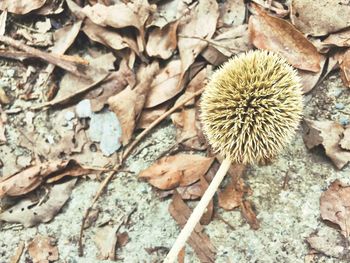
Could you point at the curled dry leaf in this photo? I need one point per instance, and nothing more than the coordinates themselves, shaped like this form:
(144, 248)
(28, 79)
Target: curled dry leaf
(51, 7)
(30, 213)
(320, 17)
(43, 249)
(178, 170)
(198, 240)
(27, 180)
(162, 42)
(21, 7)
(150, 115)
(164, 86)
(334, 206)
(192, 31)
(276, 34)
(128, 104)
(328, 134)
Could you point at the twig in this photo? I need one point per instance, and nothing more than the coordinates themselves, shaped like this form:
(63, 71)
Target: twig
(64, 62)
(138, 138)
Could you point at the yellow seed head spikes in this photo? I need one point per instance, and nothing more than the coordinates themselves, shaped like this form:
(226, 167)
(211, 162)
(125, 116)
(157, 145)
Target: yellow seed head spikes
(251, 107)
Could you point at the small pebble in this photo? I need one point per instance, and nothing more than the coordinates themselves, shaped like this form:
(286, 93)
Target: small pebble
(339, 106)
(344, 120)
(337, 92)
(11, 73)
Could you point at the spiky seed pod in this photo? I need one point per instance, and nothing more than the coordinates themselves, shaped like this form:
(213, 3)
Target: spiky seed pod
(251, 107)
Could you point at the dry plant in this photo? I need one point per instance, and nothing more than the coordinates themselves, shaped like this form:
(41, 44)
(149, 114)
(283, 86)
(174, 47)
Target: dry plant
(250, 111)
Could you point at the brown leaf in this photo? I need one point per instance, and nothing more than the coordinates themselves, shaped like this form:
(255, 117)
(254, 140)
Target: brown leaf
(187, 128)
(42, 249)
(165, 84)
(128, 104)
(162, 42)
(178, 170)
(192, 31)
(198, 240)
(20, 7)
(334, 206)
(339, 39)
(327, 134)
(329, 243)
(232, 13)
(318, 18)
(226, 44)
(276, 34)
(208, 214)
(51, 7)
(232, 196)
(249, 215)
(27, 180)
(106, 240)
(108, 37)
(344, 64)
(345, 141)
(122, 239)
(30, 213)
(150, 115)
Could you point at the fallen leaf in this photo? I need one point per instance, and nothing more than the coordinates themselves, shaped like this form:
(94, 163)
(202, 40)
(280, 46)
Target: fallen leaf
(345, 141)
(227, 44)
(43, 249)
(328, 134)
(328, 242)
(208, 213)
(249, 215)
(122, 239)
(165, 84)
(21, 7)
(51, 7)
(30, 178)
(278, 35)
(178, 170)
(334, 206)
(3, 18)
(108, 37)
(198, 240)
(232, 196)
(30, 213)
(232, 13)
(128, 104)
(339, 39)
(310, 79)
(187, 128)
(162, 42)
(321, 17)
(150, 115)
(344, 64)
(192, 33)
(167, 12)
(106, 240)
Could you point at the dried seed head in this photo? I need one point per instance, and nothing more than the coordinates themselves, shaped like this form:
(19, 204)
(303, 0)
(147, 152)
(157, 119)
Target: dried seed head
(251, 107)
